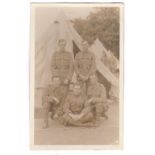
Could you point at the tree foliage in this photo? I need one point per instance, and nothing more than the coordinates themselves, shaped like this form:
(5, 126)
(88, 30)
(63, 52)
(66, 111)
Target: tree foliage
(102, 23)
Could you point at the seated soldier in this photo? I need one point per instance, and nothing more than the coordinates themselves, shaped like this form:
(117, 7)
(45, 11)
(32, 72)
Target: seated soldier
(76, 112)
(53, 100)
(96, 97)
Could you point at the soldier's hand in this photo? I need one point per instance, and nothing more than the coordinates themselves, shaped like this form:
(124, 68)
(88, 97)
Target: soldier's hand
(90, 100)
(55, 100)
(50, 98)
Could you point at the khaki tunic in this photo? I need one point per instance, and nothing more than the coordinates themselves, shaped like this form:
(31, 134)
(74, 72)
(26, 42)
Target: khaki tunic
(74, 104)
(97, 91)
(62, 65)
(85, 63)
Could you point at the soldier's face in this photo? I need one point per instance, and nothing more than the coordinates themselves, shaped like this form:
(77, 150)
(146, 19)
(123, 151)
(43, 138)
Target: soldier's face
(85, 46)
(77, 91)
(62, 45)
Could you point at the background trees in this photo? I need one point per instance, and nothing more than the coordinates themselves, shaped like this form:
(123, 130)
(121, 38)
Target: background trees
(102, 23)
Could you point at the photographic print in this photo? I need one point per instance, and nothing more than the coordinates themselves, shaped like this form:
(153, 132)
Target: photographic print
(76, 76)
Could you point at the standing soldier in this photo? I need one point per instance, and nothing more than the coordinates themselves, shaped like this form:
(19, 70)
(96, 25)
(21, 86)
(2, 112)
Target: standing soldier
(62, 63)
(52, 100)
(97, 97)
(85, 65)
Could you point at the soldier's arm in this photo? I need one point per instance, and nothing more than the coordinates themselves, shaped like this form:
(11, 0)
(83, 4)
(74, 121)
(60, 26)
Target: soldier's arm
(76, 65)
(71, 68)
(93, 66)
(55, 100)
(66, 106)
(87, 107)
(54, 68)
(77, 68)
(103, 95)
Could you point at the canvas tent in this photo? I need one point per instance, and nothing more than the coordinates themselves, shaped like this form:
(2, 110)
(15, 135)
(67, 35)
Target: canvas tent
(114, 62)
(61, 28)
(98, 49)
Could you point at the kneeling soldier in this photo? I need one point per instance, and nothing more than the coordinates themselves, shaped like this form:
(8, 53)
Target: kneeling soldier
(76, 112)
(52, 100)
(97, 99)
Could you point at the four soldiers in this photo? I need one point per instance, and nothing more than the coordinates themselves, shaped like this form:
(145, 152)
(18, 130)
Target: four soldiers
(75, 107)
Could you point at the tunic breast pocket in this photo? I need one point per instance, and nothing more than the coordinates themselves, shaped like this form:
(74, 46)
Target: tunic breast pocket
(66, 63)
(58, 62)
(87, 61)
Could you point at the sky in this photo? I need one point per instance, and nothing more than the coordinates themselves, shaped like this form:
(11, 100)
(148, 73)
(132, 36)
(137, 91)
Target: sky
(45, 16)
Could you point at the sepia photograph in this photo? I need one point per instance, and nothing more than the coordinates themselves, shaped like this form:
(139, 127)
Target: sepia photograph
(76, 76)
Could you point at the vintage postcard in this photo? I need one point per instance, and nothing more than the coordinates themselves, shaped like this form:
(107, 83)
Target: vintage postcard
(76, 76)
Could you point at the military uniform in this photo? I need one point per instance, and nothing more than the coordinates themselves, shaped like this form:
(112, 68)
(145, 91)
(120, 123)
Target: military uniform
(53, 105)
(85, 65)
(76, 105)
(62, 65)
(98, 92)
